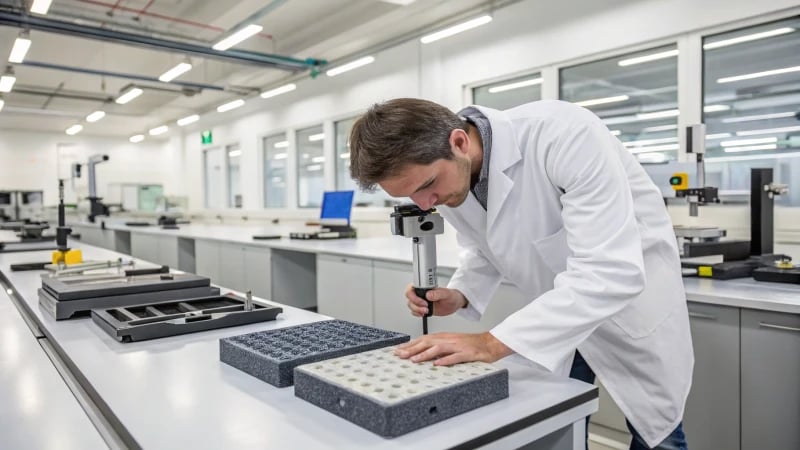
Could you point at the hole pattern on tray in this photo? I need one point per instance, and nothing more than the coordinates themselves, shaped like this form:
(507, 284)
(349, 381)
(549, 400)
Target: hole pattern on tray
(286, 344)
(386, 378)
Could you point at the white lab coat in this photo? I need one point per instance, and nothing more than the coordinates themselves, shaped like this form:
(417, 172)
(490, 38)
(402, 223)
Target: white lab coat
(574, 221)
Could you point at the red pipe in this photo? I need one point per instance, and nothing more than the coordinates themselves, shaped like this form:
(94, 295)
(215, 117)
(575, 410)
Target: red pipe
(163, 17)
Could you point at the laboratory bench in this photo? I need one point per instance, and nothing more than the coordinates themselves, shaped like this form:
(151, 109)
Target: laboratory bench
(746, 333)
(175, 393)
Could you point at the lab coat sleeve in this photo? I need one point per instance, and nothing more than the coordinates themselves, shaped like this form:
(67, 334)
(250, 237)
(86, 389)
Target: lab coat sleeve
(604, 264)
(475, 277)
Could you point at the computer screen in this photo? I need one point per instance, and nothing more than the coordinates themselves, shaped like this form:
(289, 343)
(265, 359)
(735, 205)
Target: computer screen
(5, 198)
(336, 207)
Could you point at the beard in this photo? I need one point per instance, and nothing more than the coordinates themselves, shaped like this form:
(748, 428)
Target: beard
(463, 168)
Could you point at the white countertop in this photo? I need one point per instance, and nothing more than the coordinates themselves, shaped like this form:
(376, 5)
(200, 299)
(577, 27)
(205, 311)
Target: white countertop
(744, 293)
(37, 409)
(175, 393)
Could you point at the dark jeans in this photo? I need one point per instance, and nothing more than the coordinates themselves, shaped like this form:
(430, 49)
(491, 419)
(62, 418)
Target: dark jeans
(675, 441)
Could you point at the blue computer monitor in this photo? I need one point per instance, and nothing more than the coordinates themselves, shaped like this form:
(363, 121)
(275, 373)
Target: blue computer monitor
(336, 207)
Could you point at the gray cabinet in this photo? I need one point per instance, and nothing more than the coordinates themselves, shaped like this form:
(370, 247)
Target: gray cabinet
(711, 419)
(258, 271)
(294, 278)
(231, 266)
(344, 288)
(206, 259)
(155, 249)
(235, 266)
(96, 236)
(770, 380)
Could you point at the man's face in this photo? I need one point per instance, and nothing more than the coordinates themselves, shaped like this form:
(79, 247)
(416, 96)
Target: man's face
(443, 182)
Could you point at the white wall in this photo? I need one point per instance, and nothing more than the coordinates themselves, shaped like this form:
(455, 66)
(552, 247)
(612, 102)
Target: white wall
(36, 161)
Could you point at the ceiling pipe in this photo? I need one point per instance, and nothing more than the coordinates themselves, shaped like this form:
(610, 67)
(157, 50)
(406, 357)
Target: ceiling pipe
(238, 56)
(130, 76)
(256, 16)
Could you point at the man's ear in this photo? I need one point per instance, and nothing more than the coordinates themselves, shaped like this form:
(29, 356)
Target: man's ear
(459, 141)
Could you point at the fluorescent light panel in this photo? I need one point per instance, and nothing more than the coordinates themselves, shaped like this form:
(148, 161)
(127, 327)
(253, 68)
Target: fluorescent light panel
(750, 148)
(316, 137)
(136, 138)
(318, 159)
(616, 132)
(314, 167)
(653, 148)
(447, 32)
(281, 144)
(344, 155)
(40, 6)
(660, 128)
(658, 114)
(2, 103)
(279, 90)
(128, 96)
(350, 66)
(758, 117)
(175, 72)
(602, 101)
(237, 37)
(648, 58)
(19, 50)
(747, 38)
(230, 105)
(642, 142)
(754, 157)
(95, 116)
(768, 131)
(766, 73)
(515, 85)
(279, 156)
(187, 120)
(738, 142)
(234, 153)
(7, 83)
(75, 129)
(158, 130)
(716, 108)
(717, 136)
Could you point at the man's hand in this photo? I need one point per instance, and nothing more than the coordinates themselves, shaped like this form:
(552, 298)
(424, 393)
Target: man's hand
(445, 301)
(453, 348)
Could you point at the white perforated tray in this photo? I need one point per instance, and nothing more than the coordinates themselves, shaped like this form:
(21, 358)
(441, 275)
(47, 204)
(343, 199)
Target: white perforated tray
(385, 378)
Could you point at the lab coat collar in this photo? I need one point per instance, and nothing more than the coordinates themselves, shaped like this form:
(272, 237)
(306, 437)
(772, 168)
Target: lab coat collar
(505, 153)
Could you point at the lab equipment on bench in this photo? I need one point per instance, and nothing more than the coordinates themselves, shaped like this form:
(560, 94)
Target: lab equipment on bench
(334, 218)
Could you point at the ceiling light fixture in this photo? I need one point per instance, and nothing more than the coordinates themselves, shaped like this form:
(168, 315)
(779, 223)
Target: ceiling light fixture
(515, 85)
(129, 95)
(2, 103)
(642, 142)
(647, 58)
(7, 80)
(136, 138)
(95, 116)
(75, 129)
(602, 101)
(350, 66)
(281, 144)
(230, 105)
(747, 38)
(758, 117)
(658, 114)
(616, 132)
(158, 130)
(715, 108)
(754, 157)
(175, 72)
(710, 137)
(41, 6)
(766, 73)
(279, 90)
(20, 48)
(280, 156)
(653, 148)
(318, 159)
(739, 142)
(768, 131)
(313, 167)
(187, 120)
(750, 148)
(447, 32)
(234, 153)
(316, 137)
(344, 155)
(238, 37)
(659, 128)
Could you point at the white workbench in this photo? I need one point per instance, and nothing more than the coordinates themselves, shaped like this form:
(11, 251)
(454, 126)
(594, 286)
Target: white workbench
(175, 393)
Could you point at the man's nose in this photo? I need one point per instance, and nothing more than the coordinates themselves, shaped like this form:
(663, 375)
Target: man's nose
(424, 201)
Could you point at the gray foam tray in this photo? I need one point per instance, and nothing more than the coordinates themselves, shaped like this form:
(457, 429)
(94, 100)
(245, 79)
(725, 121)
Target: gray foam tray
(271, 356)
(391, 396)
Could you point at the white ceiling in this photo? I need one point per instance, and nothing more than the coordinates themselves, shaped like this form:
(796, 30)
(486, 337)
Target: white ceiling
(46, 99)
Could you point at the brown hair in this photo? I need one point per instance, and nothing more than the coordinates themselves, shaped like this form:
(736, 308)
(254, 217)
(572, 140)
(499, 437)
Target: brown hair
(396, 133)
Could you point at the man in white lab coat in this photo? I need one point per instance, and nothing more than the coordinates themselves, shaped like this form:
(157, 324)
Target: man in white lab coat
(545, 197)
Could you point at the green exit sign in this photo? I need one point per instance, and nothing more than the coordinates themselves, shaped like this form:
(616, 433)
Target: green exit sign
(206, 137)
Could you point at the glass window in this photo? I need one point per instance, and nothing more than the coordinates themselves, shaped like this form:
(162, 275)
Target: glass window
(212, 165)
(310, 167)
(509, 93)
(343, 180)
(275, 158)
(636, 95)
(751, 102)
(234, 154)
